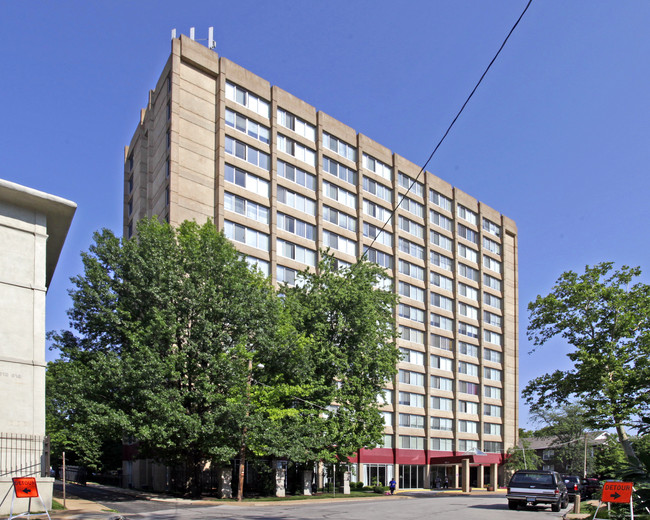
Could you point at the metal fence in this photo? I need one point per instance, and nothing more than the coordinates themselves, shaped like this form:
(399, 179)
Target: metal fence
(24, 455)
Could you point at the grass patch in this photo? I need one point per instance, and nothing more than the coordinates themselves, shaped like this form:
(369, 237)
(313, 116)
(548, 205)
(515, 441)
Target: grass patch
(57, 506)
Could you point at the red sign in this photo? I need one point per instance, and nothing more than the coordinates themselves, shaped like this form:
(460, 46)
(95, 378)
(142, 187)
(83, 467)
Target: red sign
(25, 487)
(620, 492)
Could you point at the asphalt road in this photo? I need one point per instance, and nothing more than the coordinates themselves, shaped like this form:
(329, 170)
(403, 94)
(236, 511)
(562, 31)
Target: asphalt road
(403, 506)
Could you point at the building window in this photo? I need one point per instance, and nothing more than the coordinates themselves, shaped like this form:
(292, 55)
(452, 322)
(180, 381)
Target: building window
(491, 318)
(296, 226)
(469, 369)
(338, 170)
(491, 300)
(491, 429)
(441, 363)
(468, 253)
(296, 201)
(548, 454)
(379, 257)
(467, 214)
(412, 270)
(339, 218)
(130, 207)
(412, 356)
(411, 313)
(413, 186)
(411, 334)
(440, 220)
(409, 420)
(442, 302)
(130, 162)
(441, 322)
(492, 410)
(467, 234)
(129, 232)
(441, 342)
(293, 174)
(441, 444)
(467, 311)
(131, 183)
(245, 98)
(441, 403)
(377, 211)
(410, 248)
(491, 246)
(297, 150)
(492, 337)
(492, 355)
(167, 196)
(413, 207)
(246, 235)
(491, 282)
(442, 424)
(342, 244)
(442, 261)
(466, 445)
(411, 378)
(247, 180)
(378, 167)
(441, 281)
(493, 446)
(296, 252)
(410, 227)
(286, 275)
(377, 234)
(467, 291)
(467, 349)
(247, 126)
(491, 264)
(465, 387)
(339, 147)
(411, 291)
(441, 240)
(442, 383)
(468, 426)
(492, 374)
(388, 418)
(345, 197)
(247, 153)
(468, 272)
(411, 399)
(246, 207)
(440, 200)
(468, 407)
(492, 392)
(299, 126)
(491, 227)
(377, 189)
(467, 330)
(409, 442)
(262, 265)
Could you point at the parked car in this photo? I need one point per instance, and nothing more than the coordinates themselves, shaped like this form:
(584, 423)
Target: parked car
(537, 487)
(573, 486)
(590, 486)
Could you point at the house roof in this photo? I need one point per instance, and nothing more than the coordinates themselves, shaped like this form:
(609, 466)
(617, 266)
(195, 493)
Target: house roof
(541, 443)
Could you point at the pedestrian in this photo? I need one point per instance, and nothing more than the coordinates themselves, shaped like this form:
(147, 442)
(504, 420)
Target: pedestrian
(391, 486)
(446, 484)
(437, 482)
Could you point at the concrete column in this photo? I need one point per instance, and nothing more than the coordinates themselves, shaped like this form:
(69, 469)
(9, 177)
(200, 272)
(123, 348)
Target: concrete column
(279, 480)
(456, 479)
(427, 475)
(346, 482)
(360, 472)
(320, 476)
(494, 476)
(480, 476)
(224, 483)
(306, 481)
(466, 482)
(395, 476)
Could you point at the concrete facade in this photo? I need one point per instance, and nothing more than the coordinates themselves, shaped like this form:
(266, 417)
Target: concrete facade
(284, 180)
(33, 227)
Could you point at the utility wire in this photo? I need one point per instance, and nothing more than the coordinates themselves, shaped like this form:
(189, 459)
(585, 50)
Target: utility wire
(392, 215)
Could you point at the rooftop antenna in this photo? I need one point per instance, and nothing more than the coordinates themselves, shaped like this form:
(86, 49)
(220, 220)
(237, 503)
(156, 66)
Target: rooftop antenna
(211, 43)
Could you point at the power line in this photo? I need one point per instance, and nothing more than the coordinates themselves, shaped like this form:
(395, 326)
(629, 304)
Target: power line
(393, 212)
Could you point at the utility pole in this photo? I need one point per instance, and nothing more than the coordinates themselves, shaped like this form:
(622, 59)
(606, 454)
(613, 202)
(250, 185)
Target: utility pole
(242, 451)
(584, 469)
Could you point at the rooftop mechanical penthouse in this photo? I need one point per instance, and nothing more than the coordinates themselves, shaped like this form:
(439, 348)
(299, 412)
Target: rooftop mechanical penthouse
(284, 180)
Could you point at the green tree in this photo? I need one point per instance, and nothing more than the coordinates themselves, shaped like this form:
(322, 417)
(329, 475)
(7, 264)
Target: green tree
(522, 457)
(605, 317)
(609, 459)
(350, 326)
(567, 426)
(168, 323)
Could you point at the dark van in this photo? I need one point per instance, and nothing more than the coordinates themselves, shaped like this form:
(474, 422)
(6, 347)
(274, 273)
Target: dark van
(537, 487)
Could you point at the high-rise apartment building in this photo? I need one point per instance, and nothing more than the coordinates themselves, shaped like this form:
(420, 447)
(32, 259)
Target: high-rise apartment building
(284, 181)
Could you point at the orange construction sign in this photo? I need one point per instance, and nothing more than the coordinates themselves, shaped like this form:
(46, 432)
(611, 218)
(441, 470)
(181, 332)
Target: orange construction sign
(25, 487)
(620, 492)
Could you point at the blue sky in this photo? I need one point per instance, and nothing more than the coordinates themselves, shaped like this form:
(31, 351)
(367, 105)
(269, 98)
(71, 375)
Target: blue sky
(556, 137)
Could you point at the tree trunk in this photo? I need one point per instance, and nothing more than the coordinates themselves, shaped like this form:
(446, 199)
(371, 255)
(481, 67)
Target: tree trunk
(627, 447)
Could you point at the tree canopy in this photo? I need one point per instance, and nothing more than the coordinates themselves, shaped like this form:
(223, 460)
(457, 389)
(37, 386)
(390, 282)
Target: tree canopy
(605, 318)
(177, 343)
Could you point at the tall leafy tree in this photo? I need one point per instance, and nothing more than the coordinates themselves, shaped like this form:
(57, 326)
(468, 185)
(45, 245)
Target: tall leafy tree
(167, 324)
(349, 323)
(522, 457)
(605, 317)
